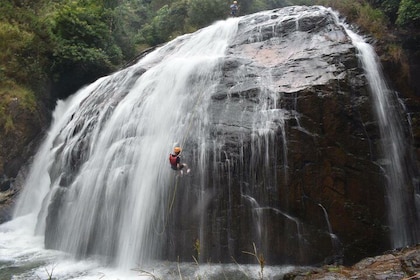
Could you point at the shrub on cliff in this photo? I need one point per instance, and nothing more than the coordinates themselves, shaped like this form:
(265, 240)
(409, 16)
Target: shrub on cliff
(409, 13)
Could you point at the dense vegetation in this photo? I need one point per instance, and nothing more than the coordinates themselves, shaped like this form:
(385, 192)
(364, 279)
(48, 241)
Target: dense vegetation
(55, 46)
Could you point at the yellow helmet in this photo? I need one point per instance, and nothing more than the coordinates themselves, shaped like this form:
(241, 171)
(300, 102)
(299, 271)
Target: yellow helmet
(177, 150)
(235, 2)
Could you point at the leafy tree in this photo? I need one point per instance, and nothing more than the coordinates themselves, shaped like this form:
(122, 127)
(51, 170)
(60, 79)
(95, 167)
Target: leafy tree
(203, 12)
(178, 13)
(156, 5)
(24, 47)
(157, 31)
(161, 25)
(409, 12)
(13, 40)
(168, 22)
(127, 19)
(112, 4)
(146, 36)
(82, 34)
(390, 8)
(77, 41)
(84, 45)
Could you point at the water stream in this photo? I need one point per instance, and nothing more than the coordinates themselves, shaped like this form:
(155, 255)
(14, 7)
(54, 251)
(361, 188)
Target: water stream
(403, 219)
(97, 203)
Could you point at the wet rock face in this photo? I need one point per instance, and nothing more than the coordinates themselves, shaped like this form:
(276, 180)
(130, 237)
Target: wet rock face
(18, 142)
(292, 161)
(298, 140)
(403, 264)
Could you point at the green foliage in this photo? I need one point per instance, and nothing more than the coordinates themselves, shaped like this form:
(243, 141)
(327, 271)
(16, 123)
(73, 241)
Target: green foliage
(390, 8)
(348, 8)
(408, 12)
(13, 40)
(24, 47)
(204, 12)
(82, 36)
(127, 19)
(260, 5)
(21, 98)
(83, 44)
(145, 36)
(161, 24)
(168, 23)
(371, 20)
(76, 41)
(178, 14)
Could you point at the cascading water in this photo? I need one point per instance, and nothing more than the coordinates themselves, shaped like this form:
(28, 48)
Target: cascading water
(101, 185)
(403, 218)
(108, 152)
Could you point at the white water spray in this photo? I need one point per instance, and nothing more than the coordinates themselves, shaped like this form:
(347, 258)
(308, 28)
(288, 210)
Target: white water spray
(99, 180)
(402, 219)
(119, 141)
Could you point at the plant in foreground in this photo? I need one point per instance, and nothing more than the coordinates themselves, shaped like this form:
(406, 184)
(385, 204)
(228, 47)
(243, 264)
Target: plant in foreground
(260, 259)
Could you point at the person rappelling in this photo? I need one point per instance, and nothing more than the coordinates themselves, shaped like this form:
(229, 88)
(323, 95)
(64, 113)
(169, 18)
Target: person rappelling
(175, 161)
(234, 8)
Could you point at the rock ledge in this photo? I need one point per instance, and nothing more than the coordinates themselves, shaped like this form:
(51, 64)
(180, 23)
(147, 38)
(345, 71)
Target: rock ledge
(397, 264)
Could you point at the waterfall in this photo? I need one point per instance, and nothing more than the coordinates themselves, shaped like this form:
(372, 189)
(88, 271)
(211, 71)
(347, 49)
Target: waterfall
(102, 173)
(335, 242)
(101, 184)
(403, 219)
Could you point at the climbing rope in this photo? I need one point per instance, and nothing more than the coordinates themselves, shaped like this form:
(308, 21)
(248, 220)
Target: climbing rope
(171, 203)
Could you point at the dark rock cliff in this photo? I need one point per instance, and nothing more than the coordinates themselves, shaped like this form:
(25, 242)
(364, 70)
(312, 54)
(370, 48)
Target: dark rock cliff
(325, 199)
(17, 144)
(402, 67)
(314, 186)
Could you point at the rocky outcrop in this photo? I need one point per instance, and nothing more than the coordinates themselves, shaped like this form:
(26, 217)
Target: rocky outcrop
(398, 264)
(19, 140)
(310, 179)
(402, 67)
(294, 165)
(287, 152)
